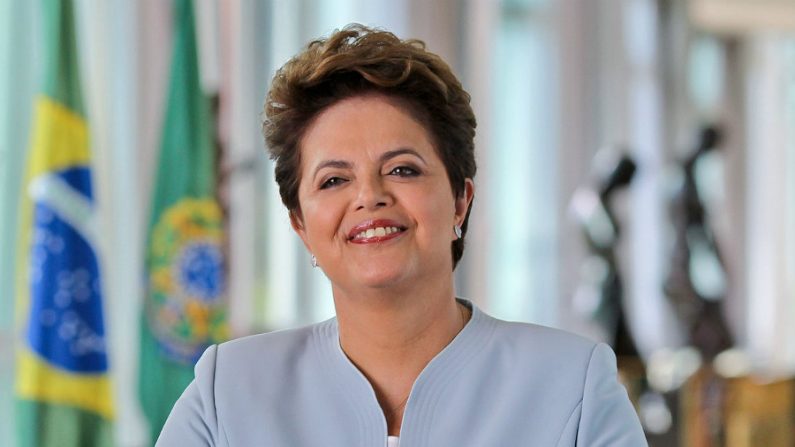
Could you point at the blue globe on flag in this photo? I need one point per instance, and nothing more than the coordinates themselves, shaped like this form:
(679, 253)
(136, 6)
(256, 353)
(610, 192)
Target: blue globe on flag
(187, 280)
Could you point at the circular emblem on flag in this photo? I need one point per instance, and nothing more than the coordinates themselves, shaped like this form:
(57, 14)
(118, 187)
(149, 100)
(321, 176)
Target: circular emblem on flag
(186, 308)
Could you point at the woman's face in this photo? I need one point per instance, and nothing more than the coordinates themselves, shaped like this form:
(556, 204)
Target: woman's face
(377, 209)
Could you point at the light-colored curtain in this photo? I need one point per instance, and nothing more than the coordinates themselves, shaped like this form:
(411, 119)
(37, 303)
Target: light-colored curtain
(124, 50)
(521, 202)
(769, 205)
(19, 61)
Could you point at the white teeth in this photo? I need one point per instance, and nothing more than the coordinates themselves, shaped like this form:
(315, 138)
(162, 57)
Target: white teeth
(378, 231)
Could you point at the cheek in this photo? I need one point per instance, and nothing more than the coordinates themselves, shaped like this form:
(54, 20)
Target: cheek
(321, 217)
(437, 211)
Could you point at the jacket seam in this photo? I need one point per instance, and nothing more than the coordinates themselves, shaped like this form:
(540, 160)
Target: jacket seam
(568, 421)
(218, 423)
(582, 389)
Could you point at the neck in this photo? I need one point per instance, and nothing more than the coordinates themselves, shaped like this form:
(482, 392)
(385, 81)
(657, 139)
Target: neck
(391, 337)
(381, 326)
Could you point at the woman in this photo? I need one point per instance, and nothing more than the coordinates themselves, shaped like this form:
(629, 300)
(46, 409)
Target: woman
(373, 142)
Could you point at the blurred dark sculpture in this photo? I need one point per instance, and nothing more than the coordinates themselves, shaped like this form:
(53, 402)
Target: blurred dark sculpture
(602, 278)
(696, 281)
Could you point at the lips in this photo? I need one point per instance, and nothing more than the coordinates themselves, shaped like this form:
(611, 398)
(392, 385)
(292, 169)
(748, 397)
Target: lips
(374, 231)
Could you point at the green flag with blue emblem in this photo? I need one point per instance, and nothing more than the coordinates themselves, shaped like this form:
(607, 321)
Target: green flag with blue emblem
(185, 305)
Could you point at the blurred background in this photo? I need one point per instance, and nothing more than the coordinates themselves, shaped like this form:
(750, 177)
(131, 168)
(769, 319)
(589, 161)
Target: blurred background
(636, 184)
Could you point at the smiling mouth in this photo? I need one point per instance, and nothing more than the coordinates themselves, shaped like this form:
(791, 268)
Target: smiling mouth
(377, 234)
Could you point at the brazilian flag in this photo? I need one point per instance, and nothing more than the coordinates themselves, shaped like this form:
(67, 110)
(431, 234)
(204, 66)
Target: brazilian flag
(62, 385)
(185, 305)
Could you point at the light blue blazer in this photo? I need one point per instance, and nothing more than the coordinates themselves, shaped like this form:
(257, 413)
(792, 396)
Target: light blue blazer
(496, 384)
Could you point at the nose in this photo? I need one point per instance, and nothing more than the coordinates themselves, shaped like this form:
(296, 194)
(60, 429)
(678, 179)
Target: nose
(372, 194)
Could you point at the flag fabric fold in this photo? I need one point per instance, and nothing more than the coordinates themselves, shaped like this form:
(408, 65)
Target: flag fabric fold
(62, 387)
(185, 305)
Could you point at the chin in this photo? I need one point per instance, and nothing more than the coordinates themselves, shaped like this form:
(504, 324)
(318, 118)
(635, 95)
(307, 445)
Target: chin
(383, 275)
(381, 280)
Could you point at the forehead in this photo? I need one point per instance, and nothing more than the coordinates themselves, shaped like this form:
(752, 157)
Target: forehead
(364, 126)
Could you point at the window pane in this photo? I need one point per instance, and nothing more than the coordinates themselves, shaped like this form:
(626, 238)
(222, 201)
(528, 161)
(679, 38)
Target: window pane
(523, 164)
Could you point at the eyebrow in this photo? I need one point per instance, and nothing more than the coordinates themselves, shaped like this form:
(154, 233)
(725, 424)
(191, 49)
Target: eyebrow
(388, 155)
(339, 164)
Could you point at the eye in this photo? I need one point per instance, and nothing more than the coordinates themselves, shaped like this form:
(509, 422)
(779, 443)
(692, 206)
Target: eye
(404, 171)
(332, 182)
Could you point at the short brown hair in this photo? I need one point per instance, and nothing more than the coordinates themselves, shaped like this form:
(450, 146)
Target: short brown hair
(355, 61)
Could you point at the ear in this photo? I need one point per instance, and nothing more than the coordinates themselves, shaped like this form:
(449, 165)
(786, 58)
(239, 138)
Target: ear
(297, 222)
(463, 201)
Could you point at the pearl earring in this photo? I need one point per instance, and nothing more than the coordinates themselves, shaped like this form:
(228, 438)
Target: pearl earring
(457, 231)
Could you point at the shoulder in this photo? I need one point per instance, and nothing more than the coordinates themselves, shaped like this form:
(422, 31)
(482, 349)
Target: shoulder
(573, 378)
(238, 378)
(529, 352)
(543, 362)
(541, 344)
(548, 336)
(549, 365)
(261, 358)
(274, 343)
